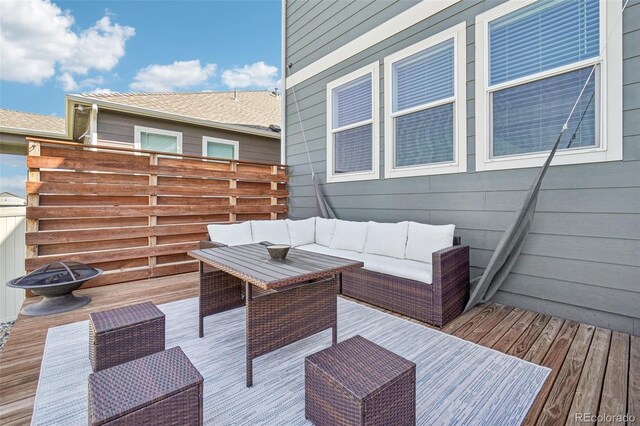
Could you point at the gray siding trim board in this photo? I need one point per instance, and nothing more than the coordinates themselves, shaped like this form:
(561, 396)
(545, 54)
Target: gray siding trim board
(582, 258)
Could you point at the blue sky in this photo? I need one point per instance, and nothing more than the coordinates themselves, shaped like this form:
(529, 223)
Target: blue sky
(49, 48)
(158, 41)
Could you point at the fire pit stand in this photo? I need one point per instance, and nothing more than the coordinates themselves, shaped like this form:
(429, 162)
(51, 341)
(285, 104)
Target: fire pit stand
(56, 283)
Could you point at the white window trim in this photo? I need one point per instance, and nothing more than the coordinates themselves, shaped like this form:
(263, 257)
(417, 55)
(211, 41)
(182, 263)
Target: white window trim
(372, 69)
(139, 129)
(235, 144)
(459, 164)
(610, 82)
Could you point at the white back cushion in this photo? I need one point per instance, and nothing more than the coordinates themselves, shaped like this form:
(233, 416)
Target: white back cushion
(423, 240)
(324, 230)
(349, 235)
(387, 239)
(274, 231)
(231, 235)
(302, 232)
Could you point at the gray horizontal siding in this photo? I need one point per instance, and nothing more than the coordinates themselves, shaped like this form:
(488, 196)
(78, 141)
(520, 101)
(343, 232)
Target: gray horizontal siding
(582, 258)
(116, 127)
(315, 28)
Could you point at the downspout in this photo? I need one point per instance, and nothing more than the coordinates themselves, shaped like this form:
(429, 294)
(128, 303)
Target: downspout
(283, 82)
(93, 125)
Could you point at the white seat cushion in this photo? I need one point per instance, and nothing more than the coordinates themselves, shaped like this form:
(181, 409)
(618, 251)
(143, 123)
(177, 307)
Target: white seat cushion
(424, 239)
(232, 235)
(346, 254)
(324, 230)
(387, 239)
(274, 231)
(403, 268)
(302, 232)
(349, 235)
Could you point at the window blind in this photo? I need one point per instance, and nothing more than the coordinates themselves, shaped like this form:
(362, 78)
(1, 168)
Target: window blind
(353, 150)
(424, 77)
(527, 118)
(545, 35)
(157, 142)
(425, 137)
(220, 150)
(352, 102)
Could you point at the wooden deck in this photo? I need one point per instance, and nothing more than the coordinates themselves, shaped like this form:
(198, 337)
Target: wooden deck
(594, 370)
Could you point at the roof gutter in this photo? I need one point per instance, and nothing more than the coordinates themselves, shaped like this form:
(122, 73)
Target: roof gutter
(114, 106)
(31, 132)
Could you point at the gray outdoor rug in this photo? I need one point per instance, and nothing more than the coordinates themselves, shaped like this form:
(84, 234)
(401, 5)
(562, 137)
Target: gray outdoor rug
(457, 382)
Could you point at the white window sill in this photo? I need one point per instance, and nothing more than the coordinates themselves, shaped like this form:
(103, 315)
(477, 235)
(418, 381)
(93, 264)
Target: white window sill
(593, 155)
(435, 169)
(352, 177)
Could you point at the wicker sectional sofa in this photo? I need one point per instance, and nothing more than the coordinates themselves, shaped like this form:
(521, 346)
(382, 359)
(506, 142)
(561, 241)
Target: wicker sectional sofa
(417, 270)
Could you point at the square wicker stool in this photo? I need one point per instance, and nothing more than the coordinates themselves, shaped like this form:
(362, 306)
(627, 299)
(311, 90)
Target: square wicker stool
(358, 382)
(162, 388)
(124, 334)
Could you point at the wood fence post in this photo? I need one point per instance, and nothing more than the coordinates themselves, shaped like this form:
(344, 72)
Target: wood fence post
(233, 184)
(33, 200)
(153, 201)
(274, 187)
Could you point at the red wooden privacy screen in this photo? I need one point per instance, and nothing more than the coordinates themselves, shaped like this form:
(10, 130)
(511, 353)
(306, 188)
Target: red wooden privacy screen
(135, 214)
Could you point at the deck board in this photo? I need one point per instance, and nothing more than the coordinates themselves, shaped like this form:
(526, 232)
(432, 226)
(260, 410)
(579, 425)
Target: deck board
(513, 334)
(528, 338)
(492, 337)
(574, 352)
(614, 390)
(589, 390)
(541, 346)
(553, 360)
(558, 403)
(634, 378)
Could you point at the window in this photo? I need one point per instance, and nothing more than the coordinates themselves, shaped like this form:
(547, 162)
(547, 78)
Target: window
(220, 148)
(532, 60)
(352, 126)
(425, 121)
(150, 139)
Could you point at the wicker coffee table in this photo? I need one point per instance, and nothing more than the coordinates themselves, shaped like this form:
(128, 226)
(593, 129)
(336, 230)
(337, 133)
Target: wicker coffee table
(286, 300)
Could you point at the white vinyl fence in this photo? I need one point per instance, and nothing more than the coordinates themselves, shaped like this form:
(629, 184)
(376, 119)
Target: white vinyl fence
(12, 253)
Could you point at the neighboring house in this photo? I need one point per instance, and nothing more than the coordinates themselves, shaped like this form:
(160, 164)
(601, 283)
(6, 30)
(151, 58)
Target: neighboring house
(15, 126)
(234, 125)
(8, 199)
(443, 111)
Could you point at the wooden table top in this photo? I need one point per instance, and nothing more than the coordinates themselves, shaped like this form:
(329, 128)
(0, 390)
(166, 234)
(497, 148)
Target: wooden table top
(253, 264)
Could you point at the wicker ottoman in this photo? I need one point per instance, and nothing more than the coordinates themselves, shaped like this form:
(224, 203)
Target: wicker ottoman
(358, 382)
(123, 334)
(160, 389)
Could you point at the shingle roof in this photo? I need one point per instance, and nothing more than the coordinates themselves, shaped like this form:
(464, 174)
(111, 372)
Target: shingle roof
(257, 109)
(30, 121)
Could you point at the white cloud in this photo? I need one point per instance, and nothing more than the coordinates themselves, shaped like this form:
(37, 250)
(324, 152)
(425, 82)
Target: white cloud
(100, 47)
(69, 83)
(254, 75)
(101, 90)
(167, 78)
(37, 40)
(15, 184)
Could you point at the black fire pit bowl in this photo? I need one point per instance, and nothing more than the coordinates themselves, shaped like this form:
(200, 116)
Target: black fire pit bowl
(56, 283)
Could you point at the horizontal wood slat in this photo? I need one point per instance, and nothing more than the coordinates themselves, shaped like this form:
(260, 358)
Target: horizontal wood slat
(126, 211)
(192, 171)
(135, 214)
(119, 190)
